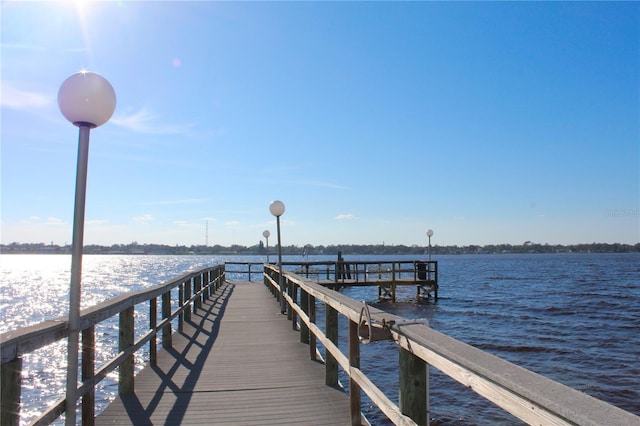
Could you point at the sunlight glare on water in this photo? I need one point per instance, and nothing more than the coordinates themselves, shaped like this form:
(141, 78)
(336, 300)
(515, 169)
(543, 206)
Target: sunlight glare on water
(42, 291)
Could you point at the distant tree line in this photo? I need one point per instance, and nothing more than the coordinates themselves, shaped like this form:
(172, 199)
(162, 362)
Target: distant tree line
(346, 249)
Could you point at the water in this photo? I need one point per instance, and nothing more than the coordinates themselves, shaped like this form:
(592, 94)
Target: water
(574, 318)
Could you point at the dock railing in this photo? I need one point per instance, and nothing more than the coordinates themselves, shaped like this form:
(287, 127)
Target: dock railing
(387, 274)
(529, 396)
(192, 289)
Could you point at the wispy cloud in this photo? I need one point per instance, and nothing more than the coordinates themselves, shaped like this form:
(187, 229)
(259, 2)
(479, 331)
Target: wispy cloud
(145, 218)
(15, 98)
(49, 221)
(54, 221)
(176, 202)
(347, 216)
(145, 121)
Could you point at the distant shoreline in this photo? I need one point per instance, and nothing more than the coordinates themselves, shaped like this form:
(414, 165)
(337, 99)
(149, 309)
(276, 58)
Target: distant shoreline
(346, 249)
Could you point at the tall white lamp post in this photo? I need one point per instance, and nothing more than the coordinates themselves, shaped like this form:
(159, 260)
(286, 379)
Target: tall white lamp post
(277, 209)
(266, 234)
(87, 100)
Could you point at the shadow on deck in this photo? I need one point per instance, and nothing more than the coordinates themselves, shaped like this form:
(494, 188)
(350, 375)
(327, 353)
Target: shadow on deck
(236, 362)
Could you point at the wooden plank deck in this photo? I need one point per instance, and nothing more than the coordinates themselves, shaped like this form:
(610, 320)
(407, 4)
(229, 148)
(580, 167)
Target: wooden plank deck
(238, 362)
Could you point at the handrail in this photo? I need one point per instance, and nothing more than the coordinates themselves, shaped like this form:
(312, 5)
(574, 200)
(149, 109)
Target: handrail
(193, 289)
(529, 396)
(340, 271)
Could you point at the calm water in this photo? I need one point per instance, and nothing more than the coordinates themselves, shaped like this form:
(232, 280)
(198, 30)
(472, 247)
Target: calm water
(572, 317)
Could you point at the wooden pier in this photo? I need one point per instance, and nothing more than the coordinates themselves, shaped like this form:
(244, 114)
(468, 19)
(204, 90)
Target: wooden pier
(236, 359)
(387, 275)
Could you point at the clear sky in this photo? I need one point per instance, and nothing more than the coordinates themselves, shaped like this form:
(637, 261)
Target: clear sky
(495, 122)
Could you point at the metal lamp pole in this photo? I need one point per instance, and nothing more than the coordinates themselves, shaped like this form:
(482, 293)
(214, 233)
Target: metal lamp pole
(267, 234)
(277, 209)
(87, 100)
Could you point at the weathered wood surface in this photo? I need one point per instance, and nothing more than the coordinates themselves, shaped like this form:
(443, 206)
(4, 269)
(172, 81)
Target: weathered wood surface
(236, 362)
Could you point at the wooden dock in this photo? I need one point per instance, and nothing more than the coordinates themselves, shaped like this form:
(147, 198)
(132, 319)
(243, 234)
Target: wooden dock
(237, 361)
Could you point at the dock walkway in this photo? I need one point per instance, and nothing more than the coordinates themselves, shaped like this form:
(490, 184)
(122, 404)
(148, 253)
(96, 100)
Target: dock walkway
(236, 362)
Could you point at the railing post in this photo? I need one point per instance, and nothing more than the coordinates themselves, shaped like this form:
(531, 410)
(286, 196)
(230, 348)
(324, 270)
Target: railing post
(88, 371)
(304, 304)
(207, 284)
(354, 361)
(435, 269)
(125, 383)
(393, 283)
(166, 313)
(331, 364)
(187, 297)
(414, 388)
(180, 304)
(288, 288)
(197, 286)
(153, 321)
(10, 392)
(312, 319)
(249, 272)
(293, 292)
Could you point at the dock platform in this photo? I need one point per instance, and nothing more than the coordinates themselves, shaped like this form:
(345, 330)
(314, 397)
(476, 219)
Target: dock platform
(237, 361)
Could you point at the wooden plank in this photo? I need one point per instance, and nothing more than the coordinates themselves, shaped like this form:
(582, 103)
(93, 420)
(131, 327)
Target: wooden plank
(236, 362)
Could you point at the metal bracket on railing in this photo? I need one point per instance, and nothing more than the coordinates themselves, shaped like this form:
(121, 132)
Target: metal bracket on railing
(369, 332)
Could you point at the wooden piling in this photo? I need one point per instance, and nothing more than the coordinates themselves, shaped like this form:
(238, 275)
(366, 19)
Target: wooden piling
(88, 371)
(126, 340)
(331, 364)
(354, 361)
(11, 373)
(414, 388)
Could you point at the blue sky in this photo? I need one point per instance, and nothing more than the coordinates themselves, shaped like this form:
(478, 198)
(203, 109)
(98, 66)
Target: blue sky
(495, 122)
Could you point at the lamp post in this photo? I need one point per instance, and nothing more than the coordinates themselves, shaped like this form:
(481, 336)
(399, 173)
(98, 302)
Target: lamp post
(266, 234)
(87, 100)
(277, 209)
